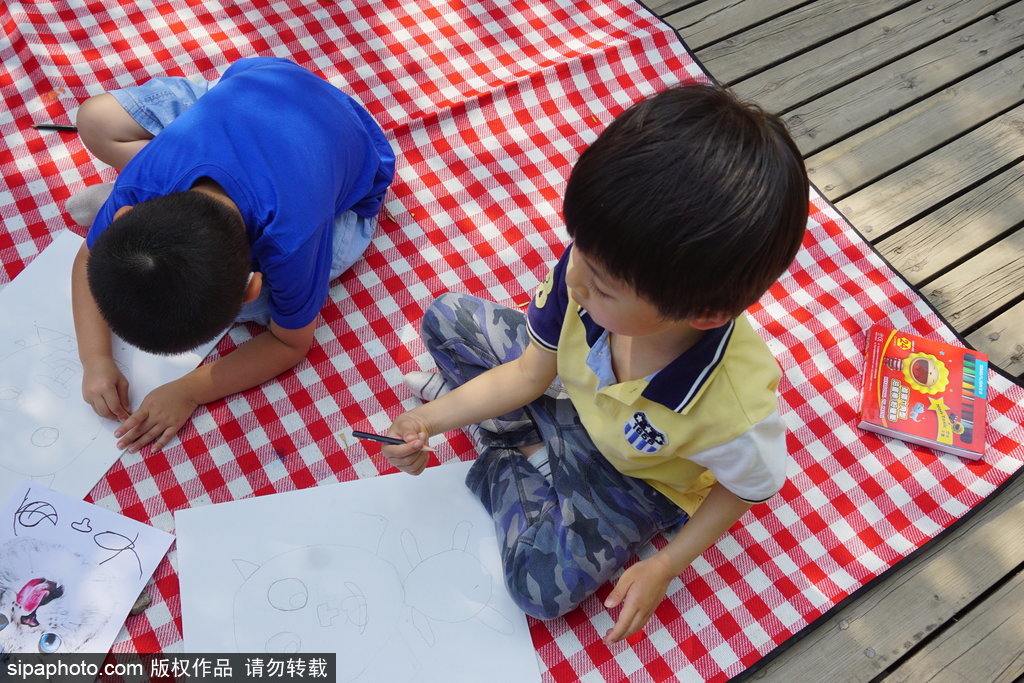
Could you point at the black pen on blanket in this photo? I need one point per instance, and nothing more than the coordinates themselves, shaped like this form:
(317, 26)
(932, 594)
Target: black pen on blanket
(384, 439)
(55, 126)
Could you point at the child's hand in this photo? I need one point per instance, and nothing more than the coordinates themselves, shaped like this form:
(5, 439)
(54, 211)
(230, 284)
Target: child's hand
(640, 589)
(411, 457)
(105, 388)
(159, 418)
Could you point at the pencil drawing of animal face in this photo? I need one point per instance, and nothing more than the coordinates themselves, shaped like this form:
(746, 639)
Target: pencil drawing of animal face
(39, 375)
(325, 598)
(433, 596)
(344, 599)
(48, 601)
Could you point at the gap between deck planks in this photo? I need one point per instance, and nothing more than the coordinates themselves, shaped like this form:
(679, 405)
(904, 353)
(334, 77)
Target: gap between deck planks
(915, 604)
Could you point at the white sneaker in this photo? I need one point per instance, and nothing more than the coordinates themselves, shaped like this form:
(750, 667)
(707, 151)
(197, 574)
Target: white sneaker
(426, 386)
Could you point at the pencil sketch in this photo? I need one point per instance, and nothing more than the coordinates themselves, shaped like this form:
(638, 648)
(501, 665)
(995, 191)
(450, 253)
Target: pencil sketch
(326, 598)
(51, 435)
(433, 595)
(399, 576)
(41, 377)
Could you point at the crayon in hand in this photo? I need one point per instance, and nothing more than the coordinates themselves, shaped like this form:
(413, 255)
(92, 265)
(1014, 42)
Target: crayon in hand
(367, 436)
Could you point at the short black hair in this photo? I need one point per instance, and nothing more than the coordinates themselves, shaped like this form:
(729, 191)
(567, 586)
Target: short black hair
(171, 273)
(695, 199)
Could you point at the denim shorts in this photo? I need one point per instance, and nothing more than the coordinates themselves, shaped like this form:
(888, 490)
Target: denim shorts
(160, 100)
(352, 235)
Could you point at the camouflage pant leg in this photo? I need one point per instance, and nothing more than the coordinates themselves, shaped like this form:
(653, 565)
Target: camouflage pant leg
(562, 537)
(467, 336)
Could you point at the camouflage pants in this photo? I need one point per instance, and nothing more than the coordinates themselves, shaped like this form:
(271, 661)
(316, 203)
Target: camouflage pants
(563, 535)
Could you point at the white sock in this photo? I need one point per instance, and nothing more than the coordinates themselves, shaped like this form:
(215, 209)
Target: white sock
(426, 386)
(85, 204)
(539, 459)
(556, 390)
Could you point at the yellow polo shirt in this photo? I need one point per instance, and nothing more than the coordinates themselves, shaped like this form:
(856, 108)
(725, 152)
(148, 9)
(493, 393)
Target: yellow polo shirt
(710, 415)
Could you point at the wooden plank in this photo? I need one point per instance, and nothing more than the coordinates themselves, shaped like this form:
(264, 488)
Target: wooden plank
(974, 290)
(879, 626)
(872, 97)
(892, 142)
(662, 8)
(1001, 338)
(914, 189)
(780, 38)
(713, 20)
(850, 56)
(945, 235)
(987, 644)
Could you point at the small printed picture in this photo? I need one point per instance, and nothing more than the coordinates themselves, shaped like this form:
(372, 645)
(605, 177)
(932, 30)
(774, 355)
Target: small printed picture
(70, 571)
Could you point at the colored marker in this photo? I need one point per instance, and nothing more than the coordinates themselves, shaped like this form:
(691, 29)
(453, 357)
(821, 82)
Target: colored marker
(383, 439)
(55, 126)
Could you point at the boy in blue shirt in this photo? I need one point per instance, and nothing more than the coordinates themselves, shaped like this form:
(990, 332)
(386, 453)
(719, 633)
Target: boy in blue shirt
(683, 213)
(257, 189)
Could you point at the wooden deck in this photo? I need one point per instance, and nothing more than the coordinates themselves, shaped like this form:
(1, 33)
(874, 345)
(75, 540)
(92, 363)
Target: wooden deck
(911, 119)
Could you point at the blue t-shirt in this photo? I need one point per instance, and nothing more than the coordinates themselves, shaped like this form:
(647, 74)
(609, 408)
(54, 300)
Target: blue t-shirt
(292, 152)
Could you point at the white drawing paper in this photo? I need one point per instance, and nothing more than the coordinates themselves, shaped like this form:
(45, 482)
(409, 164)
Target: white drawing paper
(398, 575)
(50, 434)
(69, 571)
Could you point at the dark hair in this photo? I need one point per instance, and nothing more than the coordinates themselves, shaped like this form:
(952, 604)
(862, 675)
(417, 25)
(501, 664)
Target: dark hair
(171, 273)
(695, 199)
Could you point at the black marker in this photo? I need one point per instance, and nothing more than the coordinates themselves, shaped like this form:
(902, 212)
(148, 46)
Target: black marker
(55, 126)
(383, 439)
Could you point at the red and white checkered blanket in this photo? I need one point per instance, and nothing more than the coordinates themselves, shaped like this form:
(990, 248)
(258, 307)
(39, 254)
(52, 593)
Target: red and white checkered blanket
(488, 104)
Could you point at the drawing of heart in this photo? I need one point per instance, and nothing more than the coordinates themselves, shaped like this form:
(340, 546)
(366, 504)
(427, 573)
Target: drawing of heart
(82, 526)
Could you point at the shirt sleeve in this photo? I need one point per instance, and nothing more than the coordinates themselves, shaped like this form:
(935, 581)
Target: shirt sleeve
(753, 465)
(547, 308)
(298, 280)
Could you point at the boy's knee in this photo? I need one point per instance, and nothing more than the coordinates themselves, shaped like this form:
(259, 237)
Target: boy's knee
(539, 583)
(109, 131)
(440, 311)
(445, 302)
(543, 604)
(94, 116)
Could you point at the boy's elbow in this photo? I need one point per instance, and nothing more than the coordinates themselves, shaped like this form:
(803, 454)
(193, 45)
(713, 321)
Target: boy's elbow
(297, 349)
(295, 343)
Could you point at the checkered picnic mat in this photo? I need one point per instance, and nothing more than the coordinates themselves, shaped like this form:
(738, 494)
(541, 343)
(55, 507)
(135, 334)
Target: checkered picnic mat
(488, 104)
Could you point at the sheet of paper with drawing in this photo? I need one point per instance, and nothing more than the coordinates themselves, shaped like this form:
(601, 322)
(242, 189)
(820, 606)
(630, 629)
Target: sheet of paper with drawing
(69, 571)
(399, 575)
(50, 434)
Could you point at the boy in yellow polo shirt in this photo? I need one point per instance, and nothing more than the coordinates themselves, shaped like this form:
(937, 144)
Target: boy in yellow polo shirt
(683, 213)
